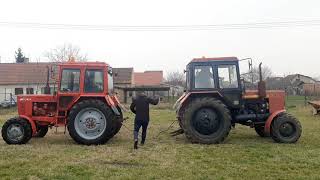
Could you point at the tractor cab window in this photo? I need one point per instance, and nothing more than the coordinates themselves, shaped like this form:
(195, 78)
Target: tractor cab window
(93, 82)
(228, 76)
(203, 77)
(70, 80)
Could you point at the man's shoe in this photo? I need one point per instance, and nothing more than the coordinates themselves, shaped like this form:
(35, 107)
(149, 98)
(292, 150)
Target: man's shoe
(142, 143)
(135, 145)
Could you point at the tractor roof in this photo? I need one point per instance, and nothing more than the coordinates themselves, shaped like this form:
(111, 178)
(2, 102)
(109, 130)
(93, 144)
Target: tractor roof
(101, 64)
(204, 59)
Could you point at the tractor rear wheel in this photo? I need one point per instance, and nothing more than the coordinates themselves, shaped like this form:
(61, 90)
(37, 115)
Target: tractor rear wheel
(41, 131)
(117, 124)
(260, 131)
(90, 122)
(206, 120)
(286, 129)
(16, 131)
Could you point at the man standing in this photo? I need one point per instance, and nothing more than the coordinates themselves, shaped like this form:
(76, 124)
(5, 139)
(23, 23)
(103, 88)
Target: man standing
(140, 106)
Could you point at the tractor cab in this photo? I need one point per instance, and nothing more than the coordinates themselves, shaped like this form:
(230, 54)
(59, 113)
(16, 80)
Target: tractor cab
(218, 76)
(81, 80)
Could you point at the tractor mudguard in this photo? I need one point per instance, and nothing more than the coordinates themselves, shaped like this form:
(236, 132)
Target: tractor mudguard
(181, 101)
(113, 102)
(32, 123)
(270, 119)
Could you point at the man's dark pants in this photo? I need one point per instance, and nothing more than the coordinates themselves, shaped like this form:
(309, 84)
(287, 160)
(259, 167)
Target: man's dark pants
(137, 125)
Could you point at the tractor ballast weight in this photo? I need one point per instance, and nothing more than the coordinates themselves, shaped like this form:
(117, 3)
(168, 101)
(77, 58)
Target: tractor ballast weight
(84, 103)
(215, 100)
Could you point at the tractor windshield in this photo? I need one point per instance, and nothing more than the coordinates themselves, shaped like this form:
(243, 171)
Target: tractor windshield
(203, 77)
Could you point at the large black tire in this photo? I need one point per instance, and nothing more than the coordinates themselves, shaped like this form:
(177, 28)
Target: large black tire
(94, 105)
(260, 131)
(16, 131)
(206, 120)
(285, 128)
(41, 131)
(117, 123)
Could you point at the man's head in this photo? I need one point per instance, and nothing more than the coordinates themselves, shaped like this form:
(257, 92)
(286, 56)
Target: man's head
(141, 93)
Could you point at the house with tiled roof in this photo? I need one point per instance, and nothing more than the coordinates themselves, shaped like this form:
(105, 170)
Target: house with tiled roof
(24, 78)
(150, 82)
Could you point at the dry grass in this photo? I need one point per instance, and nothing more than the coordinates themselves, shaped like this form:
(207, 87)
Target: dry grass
(244, 155)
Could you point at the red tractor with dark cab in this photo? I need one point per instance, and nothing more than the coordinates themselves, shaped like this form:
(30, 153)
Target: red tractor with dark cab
(84, 103)
(216, 99)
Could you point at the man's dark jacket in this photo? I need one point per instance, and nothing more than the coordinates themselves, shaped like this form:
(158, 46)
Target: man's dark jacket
(140, 106)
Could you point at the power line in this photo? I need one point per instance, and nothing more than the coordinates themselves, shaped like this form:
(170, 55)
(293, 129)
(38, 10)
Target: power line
(208, 27)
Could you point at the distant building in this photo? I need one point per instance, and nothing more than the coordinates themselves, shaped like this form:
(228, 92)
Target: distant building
(293, 84)
(23, 78)
(127, 83)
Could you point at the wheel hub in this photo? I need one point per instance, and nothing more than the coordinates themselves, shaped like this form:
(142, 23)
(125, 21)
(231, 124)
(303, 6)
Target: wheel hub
(206, 121)
(90, 123)
(15, 132)
(287, 129)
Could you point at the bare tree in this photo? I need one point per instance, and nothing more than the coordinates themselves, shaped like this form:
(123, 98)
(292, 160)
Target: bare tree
(254, 76)
(176, 78)
(64, 53)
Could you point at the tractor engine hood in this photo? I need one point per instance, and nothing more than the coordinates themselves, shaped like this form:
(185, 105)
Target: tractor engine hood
(25, 102)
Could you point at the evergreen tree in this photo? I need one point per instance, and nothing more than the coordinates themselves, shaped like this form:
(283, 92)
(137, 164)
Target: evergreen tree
(19, 56)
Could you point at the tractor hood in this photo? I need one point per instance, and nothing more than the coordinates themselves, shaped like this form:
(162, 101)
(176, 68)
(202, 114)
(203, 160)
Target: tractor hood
(25, 102)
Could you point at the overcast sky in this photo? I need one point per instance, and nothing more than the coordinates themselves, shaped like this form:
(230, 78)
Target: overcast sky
(286, 50)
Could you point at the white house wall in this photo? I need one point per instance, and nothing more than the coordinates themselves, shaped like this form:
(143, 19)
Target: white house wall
(5, 90)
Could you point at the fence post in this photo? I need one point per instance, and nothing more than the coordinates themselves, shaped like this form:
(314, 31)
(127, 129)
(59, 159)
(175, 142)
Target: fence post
(10, 99)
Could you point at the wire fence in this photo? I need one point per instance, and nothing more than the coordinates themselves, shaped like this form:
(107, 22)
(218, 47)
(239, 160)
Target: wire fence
(7, 100)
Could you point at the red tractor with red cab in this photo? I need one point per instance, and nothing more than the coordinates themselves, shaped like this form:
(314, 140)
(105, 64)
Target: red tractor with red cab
(84, 103)
(216, 99)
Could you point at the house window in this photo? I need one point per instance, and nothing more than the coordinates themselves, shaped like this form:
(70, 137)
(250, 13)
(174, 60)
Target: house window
(18, 91)
(203, 77)
(70, 80)
(93, 82)
(30, 91)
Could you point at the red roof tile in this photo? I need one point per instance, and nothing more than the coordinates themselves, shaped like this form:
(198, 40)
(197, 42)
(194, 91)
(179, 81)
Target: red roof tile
(148, 78)
(24, 73)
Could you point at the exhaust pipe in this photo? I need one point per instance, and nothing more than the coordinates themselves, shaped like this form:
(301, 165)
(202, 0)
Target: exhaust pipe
(47, 88)
(262, 84)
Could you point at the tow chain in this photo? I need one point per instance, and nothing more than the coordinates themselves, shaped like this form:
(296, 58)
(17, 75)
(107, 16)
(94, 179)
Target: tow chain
(155, 137)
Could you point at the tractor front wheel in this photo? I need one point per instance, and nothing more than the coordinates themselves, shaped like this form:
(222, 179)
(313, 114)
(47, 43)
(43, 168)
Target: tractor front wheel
(286, 129)
(206, 120)
(16, 131)
(260, 131)
(41, 131)
(90, 122)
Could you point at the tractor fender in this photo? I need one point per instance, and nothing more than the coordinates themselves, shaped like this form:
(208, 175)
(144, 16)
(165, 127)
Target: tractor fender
(183, 100)
(113, 103)
(32, 123)
(270, 120)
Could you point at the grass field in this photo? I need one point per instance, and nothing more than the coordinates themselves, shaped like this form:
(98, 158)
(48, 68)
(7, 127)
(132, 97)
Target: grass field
(243, 155)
